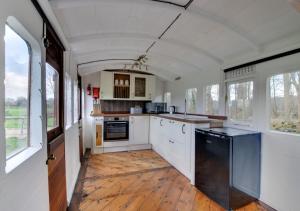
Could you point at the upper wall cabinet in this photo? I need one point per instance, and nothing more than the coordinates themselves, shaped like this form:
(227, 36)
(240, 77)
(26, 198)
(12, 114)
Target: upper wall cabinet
(124, 86)
(106, 85)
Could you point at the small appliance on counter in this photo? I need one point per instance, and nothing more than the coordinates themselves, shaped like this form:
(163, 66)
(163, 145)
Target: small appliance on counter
(156, 108)
(172, 109)
(227, 165)
(136, 110)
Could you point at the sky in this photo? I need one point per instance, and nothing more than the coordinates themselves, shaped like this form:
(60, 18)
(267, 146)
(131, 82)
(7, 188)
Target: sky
(16, 65)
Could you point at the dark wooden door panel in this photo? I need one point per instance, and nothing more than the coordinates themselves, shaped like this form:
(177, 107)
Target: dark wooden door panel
(57, 174)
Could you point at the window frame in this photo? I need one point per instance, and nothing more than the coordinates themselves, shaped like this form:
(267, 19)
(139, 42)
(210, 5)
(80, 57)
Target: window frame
(268, 104)
(54, 57)
(186, 93)
(205, 100)
(28, 141)
(168, 104)
(69, 111)
(236, 81)
(76, 99)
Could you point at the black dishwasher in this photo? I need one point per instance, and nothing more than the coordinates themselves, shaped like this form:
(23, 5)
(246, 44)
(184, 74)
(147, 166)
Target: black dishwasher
(227, 165)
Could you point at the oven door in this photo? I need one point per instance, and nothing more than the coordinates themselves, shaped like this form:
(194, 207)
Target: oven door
(116, 130)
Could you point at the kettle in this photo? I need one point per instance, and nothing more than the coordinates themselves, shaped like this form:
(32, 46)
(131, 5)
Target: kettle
(172, 109)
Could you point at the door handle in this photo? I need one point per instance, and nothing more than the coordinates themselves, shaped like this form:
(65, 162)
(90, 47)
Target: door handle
(51, 157)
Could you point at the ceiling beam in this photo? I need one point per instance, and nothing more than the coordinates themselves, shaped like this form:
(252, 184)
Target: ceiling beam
(152, 55)
(194, 12)
(138, 36)
(96, 67)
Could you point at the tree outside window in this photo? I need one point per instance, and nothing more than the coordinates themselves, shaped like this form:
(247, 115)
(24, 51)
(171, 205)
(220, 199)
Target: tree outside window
(285, 102)
(240, 101)
(191, 100)
(212, 99)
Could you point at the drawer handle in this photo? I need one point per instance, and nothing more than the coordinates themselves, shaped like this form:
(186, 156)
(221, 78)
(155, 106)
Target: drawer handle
(182, 129)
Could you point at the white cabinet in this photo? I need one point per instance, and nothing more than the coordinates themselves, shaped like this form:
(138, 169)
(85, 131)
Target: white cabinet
(142, 87)
(97, 145)
(150, 87)
(106, 85)
(172, 140)
(154, 131)
(138, 130)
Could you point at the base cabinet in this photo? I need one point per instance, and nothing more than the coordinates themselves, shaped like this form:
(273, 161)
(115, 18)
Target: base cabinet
(139, 130)
(172, 140)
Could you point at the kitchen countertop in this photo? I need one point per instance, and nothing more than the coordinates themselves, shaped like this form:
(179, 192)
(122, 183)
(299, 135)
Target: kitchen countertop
(193, 119)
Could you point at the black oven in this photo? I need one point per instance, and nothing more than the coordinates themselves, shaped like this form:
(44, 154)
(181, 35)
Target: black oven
(116, 129)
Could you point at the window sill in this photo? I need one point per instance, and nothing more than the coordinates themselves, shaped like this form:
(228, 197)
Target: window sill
(283, 133)
(18, 159)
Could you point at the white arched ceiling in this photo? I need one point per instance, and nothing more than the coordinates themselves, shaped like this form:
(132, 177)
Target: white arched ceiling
(205, 36)
(173, 64)
(95, 67)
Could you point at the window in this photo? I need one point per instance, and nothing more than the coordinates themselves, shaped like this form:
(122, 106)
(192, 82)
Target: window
(285, 102)
(212, 99)
(167, 99)
(52, 87)
(68, 101)
(76, 102)
(17, 92)
(240, 101)
(191, 99)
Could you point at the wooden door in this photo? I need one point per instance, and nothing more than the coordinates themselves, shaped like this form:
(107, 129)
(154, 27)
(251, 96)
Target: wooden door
(55, 122)
(57, 174)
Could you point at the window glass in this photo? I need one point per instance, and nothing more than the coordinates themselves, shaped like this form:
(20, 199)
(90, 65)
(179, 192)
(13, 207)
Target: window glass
(285, 102)
(191, 99)
(76, 110)
(69, 101)
(17, 88)
(52, 93)
(167, 99)
(212, 99)
(240, 101)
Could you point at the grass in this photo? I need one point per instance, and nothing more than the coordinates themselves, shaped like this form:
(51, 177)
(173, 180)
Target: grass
(14, 144)
(286, 126)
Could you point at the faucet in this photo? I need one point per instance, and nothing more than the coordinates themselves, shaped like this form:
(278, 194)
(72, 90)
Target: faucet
(185, 108)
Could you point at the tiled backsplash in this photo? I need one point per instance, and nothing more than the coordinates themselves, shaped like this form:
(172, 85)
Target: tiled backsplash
(120, 106)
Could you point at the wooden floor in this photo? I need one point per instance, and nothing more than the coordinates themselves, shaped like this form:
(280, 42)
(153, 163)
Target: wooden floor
(139, 180)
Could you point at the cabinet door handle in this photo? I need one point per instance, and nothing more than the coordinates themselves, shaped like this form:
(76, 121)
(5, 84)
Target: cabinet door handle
(182, 129)
(161, 122)
(171, 141)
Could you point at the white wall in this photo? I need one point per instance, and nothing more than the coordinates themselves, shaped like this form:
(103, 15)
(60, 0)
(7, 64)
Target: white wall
(87, 121)
(280, 175)
(196, 80)
(71, 134)
(26, 187)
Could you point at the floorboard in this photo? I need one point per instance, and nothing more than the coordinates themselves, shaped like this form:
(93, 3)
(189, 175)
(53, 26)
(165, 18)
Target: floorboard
(139, 181)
